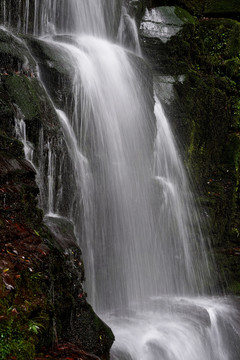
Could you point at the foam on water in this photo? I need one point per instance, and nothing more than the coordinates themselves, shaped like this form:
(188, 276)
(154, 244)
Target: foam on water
(178, 328)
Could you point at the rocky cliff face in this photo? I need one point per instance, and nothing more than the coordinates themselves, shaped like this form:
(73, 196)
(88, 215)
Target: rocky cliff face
(43, 307)
(200, 66)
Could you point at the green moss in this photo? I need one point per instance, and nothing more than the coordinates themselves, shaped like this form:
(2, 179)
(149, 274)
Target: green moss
(233, 68)
(234, 41)
(24, 94)
(13, 344)
(234, 288)
(23, 317)
(184, 15)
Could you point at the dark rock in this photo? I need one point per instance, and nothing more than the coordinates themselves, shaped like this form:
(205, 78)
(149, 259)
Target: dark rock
(41, 272)
(222, 8)
(204, 114)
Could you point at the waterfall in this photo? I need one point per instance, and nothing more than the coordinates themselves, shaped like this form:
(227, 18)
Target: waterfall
(127, 192)
(21, 134)
(128, 32)
(135, 216)
(73, 16)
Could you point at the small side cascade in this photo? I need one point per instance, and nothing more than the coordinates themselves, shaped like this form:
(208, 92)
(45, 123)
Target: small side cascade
(48, 166)
(179, 221)
(26, 17)
(128, 33)
(21, 134)
(51, 178)
(53, 166)
(82, 206)
(4, 11)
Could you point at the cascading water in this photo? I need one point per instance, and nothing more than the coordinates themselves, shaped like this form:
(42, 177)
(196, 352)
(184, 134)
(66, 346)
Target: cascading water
(21, 134)
(131, 206)
(128, 32)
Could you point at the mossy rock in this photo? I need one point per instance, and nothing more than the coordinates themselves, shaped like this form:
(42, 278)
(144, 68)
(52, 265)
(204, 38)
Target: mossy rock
(138, 7)
(11, 145)
(234, 41)
(14, 53)
(184, 15)
(55, 69)
(51, 55)
(23, 92)
(91, 333)
(208, 122)
(233, 68)
(232, 151)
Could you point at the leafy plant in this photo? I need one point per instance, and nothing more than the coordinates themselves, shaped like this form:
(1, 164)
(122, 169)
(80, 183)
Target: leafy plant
(34, 326)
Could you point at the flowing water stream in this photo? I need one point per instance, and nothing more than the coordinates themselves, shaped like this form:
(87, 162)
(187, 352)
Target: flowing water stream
(134, 215)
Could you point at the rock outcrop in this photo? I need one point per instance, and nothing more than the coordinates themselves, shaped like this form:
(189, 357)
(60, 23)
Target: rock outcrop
(43, 307)
(200, 64)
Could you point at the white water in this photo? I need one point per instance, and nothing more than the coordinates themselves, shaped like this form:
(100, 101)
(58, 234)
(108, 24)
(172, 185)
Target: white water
(128, 33)
(21, 134)
(132, 208)
(52, 17)
(134, 221)
(178, 328)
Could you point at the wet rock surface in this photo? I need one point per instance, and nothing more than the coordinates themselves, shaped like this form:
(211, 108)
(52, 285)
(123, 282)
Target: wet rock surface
(41, 279)
(164, 22)
(199, 66)
(43, 307)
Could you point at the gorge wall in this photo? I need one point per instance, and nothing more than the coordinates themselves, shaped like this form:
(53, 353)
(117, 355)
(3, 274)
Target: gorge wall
(203, 62)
